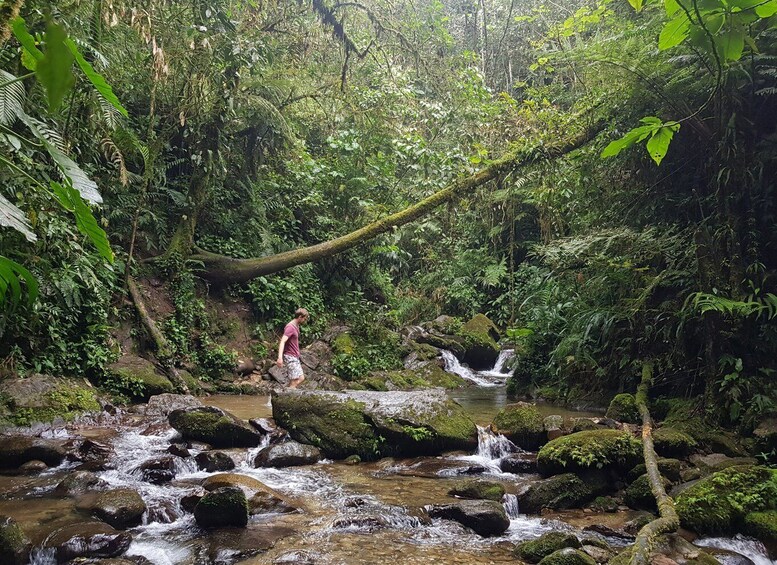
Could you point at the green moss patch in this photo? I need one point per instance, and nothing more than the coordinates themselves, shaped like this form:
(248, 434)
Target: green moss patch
(623, 408)
(534, 551)
(479, 490)
(671, 442)
(594, 449)
(762, 525)
(522, 424)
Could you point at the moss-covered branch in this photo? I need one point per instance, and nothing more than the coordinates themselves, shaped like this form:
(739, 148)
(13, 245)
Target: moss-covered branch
(225, 270)
(668, 521)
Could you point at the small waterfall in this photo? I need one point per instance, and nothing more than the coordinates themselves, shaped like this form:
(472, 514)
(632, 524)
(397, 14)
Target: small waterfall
(494, 446)
(499, 372)
(750, 548)
(452, 365)
(510, 502)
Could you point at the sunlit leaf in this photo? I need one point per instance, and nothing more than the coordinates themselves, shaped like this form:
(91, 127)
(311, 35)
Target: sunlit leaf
(12, 217)
(732, 44)
(97, 80)
(767, 10)
(674, 32)
(35, 55)
(71, 200)
(658, 144)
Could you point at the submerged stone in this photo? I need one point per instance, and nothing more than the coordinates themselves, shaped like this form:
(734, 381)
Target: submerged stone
(88, 539)
(17, 450)
(375, 424)
(212, 461)
(121, 508)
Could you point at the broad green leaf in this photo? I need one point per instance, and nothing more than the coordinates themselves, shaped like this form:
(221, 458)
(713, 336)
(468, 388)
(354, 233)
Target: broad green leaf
(12, 217)
(97, 80)
(674, 32)
(10, 272)
(12, 96)
(55, 70)
(71, 200)
(69, 168)
(658, 144)
(634, 136)
(767, 10)
(714, 21)
(19, 27)
(636, 4)
(732, 44)
(671, 7)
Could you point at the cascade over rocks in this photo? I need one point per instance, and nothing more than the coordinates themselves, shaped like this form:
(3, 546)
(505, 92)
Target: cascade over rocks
(287, 454)
(215, 426)
(88, 539)
(522, 424)
(485, 517)
(375, 424)
(17, 450)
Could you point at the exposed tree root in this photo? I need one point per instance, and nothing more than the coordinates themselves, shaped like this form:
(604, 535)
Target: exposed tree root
(164, 354)
(668, 521)
(226, 270)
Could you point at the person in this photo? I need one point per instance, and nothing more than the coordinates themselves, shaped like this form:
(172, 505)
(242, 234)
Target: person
(288, 350)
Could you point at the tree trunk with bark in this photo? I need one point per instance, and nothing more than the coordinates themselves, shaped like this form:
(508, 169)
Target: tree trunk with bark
(221, 269)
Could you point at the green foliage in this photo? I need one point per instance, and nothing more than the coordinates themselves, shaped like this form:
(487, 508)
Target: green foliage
(275, 298)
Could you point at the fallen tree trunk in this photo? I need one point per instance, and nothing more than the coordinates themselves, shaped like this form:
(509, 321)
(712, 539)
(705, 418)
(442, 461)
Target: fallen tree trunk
(221, 269)
(668, 521)
(163, 351)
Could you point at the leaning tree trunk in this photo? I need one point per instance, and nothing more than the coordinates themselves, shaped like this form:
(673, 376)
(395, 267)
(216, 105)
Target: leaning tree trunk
(9, 10)
(226, 270)
(163, 351)
(668, 521)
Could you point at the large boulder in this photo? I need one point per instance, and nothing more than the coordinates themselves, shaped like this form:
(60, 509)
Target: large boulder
(671, 442)
(121, 508)
(561, 492)
(522, 424)
(225, 506)
(639, 496)
(479, 490)
(623, 408)
(766, 435)
(593, 449)
(41, 398)
(79, 482)
(14, 543)
(163, 404)
(212, 461)
(261, 498)
(288, 454)
(481, 338)
(719, 503)
(535, 550)
(139, 377)
(485, 517)
(88, 539)
(17, 450)
(375, 424)
(215, 426)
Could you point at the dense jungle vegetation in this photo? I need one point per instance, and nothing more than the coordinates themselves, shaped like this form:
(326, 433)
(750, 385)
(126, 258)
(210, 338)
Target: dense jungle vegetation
(602, 177)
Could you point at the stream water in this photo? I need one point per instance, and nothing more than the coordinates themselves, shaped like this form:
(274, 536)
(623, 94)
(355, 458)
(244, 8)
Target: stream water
(350, 514)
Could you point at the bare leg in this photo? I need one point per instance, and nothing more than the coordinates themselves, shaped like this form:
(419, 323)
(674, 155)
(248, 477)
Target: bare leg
(296, 382)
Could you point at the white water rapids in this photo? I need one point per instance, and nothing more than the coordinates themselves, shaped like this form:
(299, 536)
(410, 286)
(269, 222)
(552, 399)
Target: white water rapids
(490, 378)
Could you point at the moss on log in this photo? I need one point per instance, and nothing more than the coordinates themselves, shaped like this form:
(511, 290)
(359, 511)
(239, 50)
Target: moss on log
(221, 269)
(668, 520)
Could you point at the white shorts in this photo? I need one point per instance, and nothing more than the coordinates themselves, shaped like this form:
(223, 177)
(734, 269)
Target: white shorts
(293, 367)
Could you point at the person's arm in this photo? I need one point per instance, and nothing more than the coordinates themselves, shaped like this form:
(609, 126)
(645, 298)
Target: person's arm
(281, 347)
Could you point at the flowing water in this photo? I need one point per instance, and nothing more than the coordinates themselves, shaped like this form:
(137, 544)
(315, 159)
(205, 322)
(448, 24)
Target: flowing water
(350, 514)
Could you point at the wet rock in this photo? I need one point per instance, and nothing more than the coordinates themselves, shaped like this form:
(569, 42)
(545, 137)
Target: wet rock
(214, 426)
(131, 368)
(610, 449)
(352, 460)
(432, 468)
(225, 506)
(669, 468)
(375, 424)
(288, 454)
(485, 517)
(553, 426)
(568, 556)
(607, 531)
(633, 526)
(560, 492)
(79, 482)
(639, 496)
(481, 338)
(91, 451)
(159, 470)
(212, 461)
(189, 501)
(671, 442)
(521, 423)
(17, 450)
(14, 544)
(598, 554)
(163, 404)
(296, 558)
(519, 463)
(718, 461)
(535, 550)
(179, 450)
(88, 539)
(121, 508)
(268, 427)
(584, 424)
(33, 467)
(479, 490)
(766, 435)
(261, 498)
(604, 504)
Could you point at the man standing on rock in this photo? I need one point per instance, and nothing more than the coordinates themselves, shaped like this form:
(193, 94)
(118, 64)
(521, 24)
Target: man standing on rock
(288, 350)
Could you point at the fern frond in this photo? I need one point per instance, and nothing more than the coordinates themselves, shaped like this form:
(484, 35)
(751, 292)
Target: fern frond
(12, 95)
(114, 155)
(12, 217)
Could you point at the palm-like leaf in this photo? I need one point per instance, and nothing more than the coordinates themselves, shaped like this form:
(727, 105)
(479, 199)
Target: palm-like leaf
(13, 217)
(11, 98)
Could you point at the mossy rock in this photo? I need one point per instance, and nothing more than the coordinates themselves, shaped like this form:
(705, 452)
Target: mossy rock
(671, 442)
(669, 468)
(479, 490)
(429, 375)
(193, 383)
(375, 424)
(41, 398)
(762, 525)
(557, 493)
(535, 550)
(718, 503)
(584, 425)
(423, 351)
(214, 426)
(480, 342)
(568, 556)
(137, 378)
(225, 506)
(14, 543)
(604, 504)
(343, 344)
(121, 508)
(595, 449)
(522, 424)
(623, 408)
(639, 496)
